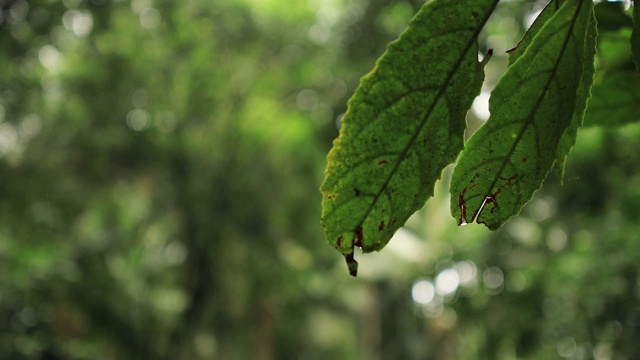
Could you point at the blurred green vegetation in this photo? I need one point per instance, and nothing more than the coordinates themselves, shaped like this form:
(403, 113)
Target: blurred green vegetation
(159, 167)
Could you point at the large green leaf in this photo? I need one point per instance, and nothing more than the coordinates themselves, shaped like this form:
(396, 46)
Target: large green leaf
(541, 20)
(615, 101)
(568, 139)
(404, 124)
(532, 106)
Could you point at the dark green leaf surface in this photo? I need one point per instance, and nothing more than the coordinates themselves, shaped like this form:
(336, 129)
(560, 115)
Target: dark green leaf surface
(568, 139)
(635, 35)
(541, 20)
(615, 101)
(611, 16)
(404, 124)
(532, 106)
(614, 54)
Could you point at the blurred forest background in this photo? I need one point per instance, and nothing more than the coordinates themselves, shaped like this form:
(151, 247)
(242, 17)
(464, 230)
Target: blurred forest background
(159, 171)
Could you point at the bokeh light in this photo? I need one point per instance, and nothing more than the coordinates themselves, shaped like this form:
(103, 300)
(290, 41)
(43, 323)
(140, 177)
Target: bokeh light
(423, 291)
(447, 282)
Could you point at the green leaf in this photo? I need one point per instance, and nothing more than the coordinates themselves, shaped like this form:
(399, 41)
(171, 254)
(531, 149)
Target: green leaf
(614, 53)
(611, 16)
(635, 35)
(405, 123)
(615, 100)
(532, 106)
(568, 139)
(546, 14)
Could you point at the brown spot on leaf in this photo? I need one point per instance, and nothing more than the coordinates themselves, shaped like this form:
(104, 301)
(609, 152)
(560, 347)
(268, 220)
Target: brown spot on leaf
(339, 241)
(491, 200)
(463, 208)
(381, 226)
(331, 197)
(382, 162)
(487, 200)
(359, 237)
(509, 180)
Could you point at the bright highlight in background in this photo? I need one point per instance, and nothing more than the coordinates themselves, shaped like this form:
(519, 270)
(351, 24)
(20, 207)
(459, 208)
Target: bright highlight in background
(481, 106)
(447, 282)
(423, 292)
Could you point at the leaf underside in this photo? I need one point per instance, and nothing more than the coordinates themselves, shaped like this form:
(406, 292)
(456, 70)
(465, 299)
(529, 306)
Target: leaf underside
(568, 139)
(404, 124)
(549, 10)
(532, 107)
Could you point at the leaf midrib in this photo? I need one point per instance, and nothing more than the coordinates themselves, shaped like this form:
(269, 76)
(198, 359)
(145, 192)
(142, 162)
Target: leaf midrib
(427, 115)
(531, 117)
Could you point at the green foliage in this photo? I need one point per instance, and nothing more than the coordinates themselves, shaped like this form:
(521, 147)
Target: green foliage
(568, 139)
(158, 165)
(532, 107)
(616, 100)
(405, 123)
(536, 110)
(611, 16)
(139, 145)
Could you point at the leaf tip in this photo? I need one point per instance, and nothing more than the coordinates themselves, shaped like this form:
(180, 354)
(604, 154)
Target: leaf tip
(352, 264)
